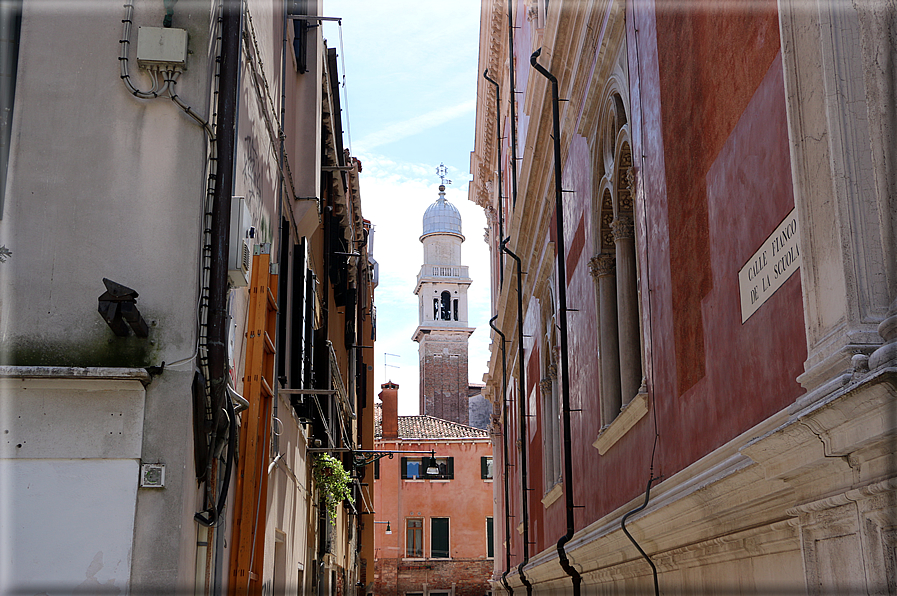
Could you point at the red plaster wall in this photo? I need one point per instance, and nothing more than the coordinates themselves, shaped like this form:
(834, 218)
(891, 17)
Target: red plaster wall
(711, 59)
(708, 114)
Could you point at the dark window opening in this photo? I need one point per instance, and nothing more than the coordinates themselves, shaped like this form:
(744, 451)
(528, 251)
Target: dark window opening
(446, 312)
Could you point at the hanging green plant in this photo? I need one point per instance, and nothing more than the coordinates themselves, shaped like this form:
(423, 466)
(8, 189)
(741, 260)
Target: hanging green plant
(334, 482)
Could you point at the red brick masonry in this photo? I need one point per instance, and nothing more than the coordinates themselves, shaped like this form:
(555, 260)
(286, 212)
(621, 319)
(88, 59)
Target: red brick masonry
(396, 577)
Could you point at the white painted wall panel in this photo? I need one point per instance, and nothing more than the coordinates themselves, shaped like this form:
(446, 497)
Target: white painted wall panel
(66, 526)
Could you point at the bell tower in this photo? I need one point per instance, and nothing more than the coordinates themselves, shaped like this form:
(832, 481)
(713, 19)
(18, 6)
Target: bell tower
(443, 330)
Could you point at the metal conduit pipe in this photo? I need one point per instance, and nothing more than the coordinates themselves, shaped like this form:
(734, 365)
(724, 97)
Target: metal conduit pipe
(504, 441)
(231, 16)
(501, 210)
(522, 414)
(631, 539)
(562, 298)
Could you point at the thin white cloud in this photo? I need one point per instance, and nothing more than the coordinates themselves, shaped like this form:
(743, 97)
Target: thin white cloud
(400, 130)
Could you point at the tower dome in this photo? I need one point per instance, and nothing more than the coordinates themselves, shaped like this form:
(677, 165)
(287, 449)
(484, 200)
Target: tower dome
(442, 217)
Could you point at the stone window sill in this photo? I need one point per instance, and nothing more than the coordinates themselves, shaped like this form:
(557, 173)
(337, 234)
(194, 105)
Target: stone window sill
(632, 413)
(553, 495)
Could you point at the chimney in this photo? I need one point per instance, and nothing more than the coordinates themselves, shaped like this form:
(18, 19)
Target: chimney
(390, 420)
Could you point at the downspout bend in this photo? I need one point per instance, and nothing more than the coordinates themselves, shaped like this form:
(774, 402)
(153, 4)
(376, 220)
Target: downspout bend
(631, 539)
(562, 298)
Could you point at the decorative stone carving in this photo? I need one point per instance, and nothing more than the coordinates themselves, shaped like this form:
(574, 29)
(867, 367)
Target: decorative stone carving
(601, 265)
(545, 386)
(623, 228)
(553, 371)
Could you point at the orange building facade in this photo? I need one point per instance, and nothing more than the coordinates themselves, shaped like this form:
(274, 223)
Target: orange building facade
(433, 533)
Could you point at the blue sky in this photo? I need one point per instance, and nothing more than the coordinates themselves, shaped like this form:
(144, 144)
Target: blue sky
(411, 76)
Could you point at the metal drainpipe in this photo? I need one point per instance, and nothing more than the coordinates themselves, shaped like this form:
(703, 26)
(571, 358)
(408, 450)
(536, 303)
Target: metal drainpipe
(562, 296)
(631, 539)
(504, 441)
(220, 223)
(513, 106)
(501, 211)
(522, 414)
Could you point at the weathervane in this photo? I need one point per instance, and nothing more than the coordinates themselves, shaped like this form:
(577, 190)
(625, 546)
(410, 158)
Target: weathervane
(441, 171)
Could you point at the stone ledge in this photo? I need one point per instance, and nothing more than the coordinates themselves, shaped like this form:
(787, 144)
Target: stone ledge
(632, 413)
(75, 372)
(553, 495)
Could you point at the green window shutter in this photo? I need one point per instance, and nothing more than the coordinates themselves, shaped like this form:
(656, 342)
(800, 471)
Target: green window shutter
(450, 468)
(484, 468)
(376, 469)
(490, 537)
(405, 468)
(439, 537)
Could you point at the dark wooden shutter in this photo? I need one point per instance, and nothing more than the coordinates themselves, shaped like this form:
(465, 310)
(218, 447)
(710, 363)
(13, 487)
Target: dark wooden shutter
(404, 468)
(484, 468)
(450, 468)
(439, 537)
(490, 537)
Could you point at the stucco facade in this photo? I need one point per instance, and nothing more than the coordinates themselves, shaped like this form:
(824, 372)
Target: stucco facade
(690, 335)
(137, 341)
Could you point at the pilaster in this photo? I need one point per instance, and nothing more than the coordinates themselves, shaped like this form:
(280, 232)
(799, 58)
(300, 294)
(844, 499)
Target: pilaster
(846, 222)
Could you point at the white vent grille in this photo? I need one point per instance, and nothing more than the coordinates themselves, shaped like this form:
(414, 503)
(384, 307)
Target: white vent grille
(242, 239)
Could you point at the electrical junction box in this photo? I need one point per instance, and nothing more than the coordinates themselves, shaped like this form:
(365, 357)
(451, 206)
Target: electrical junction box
(242, 237)
(159, 46)
(152, 476)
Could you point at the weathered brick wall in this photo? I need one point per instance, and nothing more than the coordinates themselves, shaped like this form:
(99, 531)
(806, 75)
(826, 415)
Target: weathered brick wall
(395, 577)
(443, 377)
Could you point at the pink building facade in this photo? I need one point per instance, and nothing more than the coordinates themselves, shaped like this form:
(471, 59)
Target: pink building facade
(433, 532)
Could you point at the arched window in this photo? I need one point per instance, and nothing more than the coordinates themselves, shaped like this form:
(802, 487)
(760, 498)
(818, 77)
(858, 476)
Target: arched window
(615, 269)
(550, 399)
(446, 310)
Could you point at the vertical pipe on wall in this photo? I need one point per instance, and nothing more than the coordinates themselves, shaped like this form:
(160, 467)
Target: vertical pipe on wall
(522, 415)
(504, 441)
(227, 114)
(562, 295)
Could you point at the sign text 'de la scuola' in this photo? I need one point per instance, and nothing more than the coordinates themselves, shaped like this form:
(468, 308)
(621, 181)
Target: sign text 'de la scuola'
(768, 268)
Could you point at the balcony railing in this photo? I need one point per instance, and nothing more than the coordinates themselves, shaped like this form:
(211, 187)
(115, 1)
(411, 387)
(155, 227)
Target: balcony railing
(440, 271)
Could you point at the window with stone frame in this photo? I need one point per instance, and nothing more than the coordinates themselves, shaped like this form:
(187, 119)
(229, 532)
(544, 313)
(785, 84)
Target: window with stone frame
(439, 538)
(414, 538)
(615, 268)
(415, 468)
(486, 468)
(549, 388)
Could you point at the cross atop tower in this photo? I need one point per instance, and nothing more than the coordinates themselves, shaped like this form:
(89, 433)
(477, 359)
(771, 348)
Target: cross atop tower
(441, 171)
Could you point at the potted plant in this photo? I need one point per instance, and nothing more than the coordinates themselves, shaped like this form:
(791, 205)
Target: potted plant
(333, 481)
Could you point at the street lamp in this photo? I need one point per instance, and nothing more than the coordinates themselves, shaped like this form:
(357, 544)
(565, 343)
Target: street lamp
(432, 466)
(388, 529)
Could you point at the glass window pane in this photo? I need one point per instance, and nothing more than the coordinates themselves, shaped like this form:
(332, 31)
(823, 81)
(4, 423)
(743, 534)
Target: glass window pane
(414, 538)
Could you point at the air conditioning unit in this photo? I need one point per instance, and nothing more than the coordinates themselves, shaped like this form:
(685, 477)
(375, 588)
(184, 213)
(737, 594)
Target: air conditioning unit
(242, 238)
